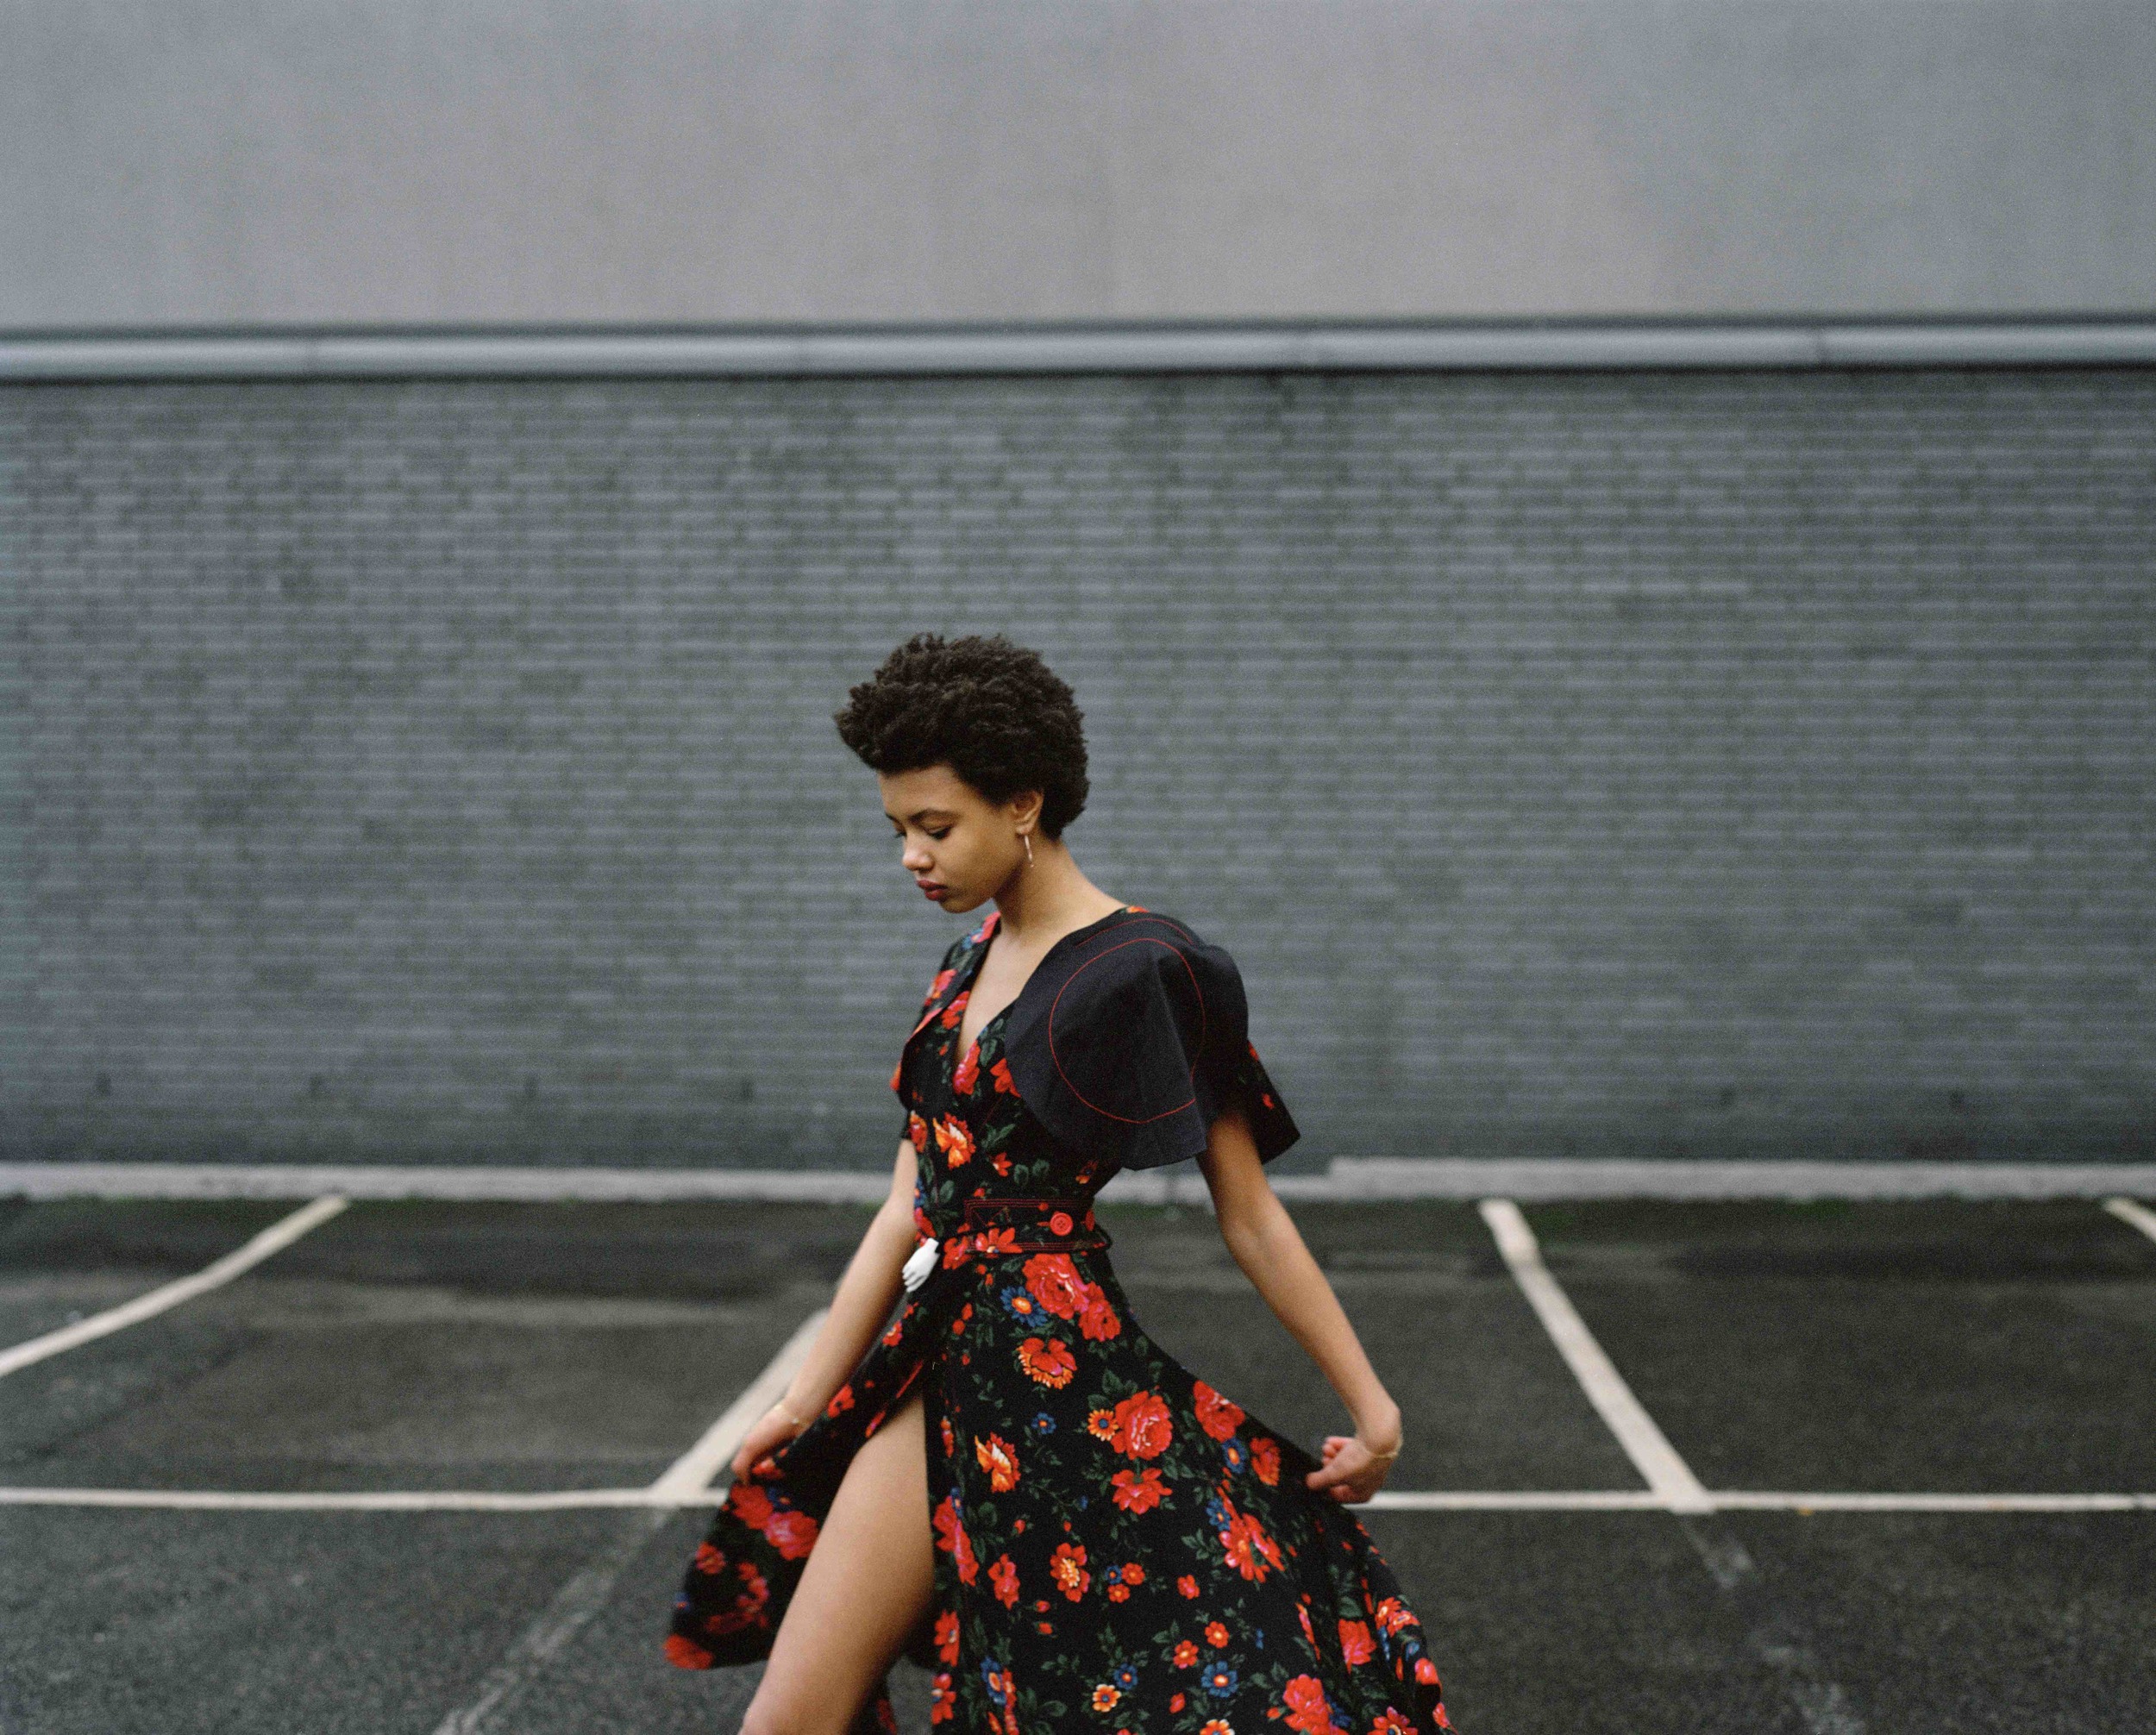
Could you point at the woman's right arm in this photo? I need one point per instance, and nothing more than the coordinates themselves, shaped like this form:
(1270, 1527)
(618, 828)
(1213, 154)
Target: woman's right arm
(858, 1310)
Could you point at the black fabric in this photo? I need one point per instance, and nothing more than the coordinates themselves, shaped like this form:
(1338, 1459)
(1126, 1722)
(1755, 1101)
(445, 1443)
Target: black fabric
(1131, 1036)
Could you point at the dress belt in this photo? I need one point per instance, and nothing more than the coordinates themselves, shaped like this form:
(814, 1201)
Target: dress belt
(996, 1228)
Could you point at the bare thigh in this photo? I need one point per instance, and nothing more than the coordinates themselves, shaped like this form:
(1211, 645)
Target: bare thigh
(870, 1576)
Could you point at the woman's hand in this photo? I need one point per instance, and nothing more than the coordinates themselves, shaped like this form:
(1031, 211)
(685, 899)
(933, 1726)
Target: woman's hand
(770, 1431)
(1352, 1471)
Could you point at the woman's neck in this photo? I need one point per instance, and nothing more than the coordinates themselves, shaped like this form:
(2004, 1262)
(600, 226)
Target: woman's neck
(1049, 899)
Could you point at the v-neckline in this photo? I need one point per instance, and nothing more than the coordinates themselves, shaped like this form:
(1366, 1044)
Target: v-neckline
(980, 956)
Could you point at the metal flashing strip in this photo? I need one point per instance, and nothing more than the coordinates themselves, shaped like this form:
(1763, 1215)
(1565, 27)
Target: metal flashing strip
(1348, 1180)
(1256, 346)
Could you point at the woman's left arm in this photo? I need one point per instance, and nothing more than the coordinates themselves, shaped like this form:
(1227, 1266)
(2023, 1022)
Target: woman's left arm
(1266, 1243)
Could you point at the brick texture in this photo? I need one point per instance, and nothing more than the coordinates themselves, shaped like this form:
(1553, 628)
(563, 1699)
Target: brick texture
(1711, 765)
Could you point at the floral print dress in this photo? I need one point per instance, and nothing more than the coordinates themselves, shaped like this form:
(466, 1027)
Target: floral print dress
(1119, 1546)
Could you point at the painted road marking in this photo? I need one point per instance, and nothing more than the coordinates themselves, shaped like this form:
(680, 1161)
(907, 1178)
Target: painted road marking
(2139, 1216)
(1349, 1178)
(687, 1478)
(1389, 1499)
(1650, 1452)
(274, 1239)
(687, 1481)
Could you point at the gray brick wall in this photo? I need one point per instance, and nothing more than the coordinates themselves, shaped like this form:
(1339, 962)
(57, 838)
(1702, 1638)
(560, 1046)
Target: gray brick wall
(1710, 764)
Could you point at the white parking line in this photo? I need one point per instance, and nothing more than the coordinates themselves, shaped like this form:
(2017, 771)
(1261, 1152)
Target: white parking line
(684, 1481)
(274, 1239)
(2139, 1216)
(1670, 1478)
(1389, 1499)
(687, 1481)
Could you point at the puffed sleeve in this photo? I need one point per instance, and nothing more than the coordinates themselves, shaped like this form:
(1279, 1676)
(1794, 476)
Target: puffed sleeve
(1131, 1050)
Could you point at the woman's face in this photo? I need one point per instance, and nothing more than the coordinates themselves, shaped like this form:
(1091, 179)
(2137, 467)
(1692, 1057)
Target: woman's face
(960, 849)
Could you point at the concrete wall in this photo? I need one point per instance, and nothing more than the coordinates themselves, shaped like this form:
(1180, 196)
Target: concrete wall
(1713, 764)
(211, 160)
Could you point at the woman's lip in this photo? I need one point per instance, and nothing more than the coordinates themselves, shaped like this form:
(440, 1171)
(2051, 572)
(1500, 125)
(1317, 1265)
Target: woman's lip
(933, 890)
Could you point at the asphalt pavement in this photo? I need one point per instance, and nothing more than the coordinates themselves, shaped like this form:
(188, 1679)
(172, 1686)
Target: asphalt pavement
(435, 1350)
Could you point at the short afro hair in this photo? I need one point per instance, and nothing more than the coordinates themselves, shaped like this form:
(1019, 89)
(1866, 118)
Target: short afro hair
(992, 711)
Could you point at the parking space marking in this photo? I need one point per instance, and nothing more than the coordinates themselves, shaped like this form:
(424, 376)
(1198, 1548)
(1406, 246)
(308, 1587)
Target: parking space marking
(687, 1481)
(690, 1474)
(274, 1239)
(1670, 1478)
(2139, 1216)
(1388, 1499)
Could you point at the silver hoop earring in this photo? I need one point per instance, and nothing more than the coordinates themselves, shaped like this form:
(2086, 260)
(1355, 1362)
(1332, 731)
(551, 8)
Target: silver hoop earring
(1026, 838)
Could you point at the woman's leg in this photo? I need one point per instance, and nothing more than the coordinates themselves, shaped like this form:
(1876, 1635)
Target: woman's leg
(870, 1576)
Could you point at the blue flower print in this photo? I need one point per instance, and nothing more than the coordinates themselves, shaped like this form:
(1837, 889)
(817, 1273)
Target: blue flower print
(1219, 1681)
(1234, 1454)
(1020, 1304)
(1125, 1675)
(1044, 1422)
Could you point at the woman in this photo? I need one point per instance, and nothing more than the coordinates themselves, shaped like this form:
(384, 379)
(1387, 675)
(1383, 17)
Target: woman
(1011, 1483)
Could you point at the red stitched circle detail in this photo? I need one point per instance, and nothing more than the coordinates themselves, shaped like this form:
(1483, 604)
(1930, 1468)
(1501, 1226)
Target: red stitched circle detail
(1205, 1017)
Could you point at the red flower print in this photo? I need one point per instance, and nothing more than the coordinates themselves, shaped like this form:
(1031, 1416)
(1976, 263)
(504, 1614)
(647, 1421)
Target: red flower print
(951, 1538)
(917, 1134)
(1105, 1697)
(1096, 1319)
(1001, 1163)
(1307, 1707)
(1265, 1460)
(1138, 1491)
(943, 1703)
(943, 979)
(1055, 1283)
(955, 1139)
(897, 1331)
(1310, 1632)
(1425, 1671)
(1100, 1424)
(1176, 1703)
(1133, 1573)
(841, 1400)
(1067, 1566)
(1047, 1362)
(1118, 1591)
(1249, 1549)
(686, 1653)
(1142, 1425)
(1390, 1722)
(898, 1072)
(1001, 1072)
(1216, 1634)
(947, 1635)
(957, 1009)
(1187, 1585)
(1215, 1727)
(1355, 1642)
(950, 1441)
(1185, 1655)
(793, 1534)
(994, 1243)
(968, 1073)
(709, 1559)
(1216, 1415)
(751, 1504)
(1004, 1576)
(996, 1456)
